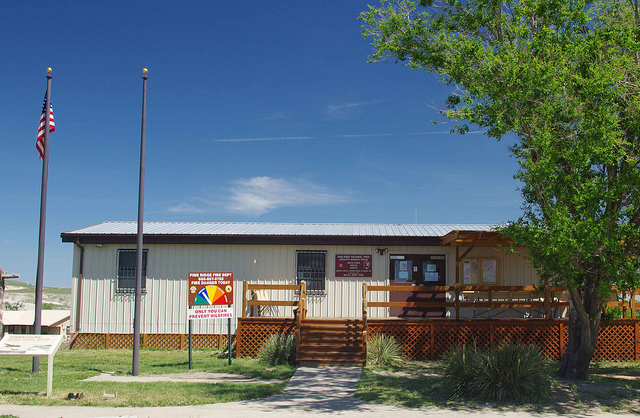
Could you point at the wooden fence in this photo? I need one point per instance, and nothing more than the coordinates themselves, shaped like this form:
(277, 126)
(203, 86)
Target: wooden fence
(162, 341)
(430, 338)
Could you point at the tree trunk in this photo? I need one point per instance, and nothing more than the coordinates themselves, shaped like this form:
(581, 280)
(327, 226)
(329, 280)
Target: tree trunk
(584, 327)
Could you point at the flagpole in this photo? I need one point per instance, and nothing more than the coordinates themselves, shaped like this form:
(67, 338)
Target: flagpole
(37, 324)
(139, 250)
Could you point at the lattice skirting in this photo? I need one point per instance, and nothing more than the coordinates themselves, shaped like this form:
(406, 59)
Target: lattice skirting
(431, 339)
(252, 333)
(162, 341)
(420, 338)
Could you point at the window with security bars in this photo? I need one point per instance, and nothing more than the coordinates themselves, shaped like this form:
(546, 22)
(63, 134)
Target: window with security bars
(127, 260)
(311, 268)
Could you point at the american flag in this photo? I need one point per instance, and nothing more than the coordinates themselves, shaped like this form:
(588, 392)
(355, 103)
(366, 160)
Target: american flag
(43, 119)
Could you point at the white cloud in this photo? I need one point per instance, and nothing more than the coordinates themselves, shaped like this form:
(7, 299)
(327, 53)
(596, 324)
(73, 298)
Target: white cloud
(343, 106)
(273, 138)
(347, 110)
(260, 195)
(186, 208)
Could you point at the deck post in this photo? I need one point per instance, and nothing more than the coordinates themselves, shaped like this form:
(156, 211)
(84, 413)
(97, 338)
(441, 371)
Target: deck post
(457, 285)
(547, 305)
(432, 351)
(561, 336)
(636, 340)
(364, 314)
(303, 299)
(301, 308)
(244, 299)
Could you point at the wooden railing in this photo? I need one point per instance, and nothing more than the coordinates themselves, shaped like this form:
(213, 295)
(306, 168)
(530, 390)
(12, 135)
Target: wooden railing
(489, 297)
(628, 306)
(301, 304)
(364, 316)
(251, 301)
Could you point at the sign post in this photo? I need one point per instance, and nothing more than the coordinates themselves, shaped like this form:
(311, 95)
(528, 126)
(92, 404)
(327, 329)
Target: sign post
(208, 291)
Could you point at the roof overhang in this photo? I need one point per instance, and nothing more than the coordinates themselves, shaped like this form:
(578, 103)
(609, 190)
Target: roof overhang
(251, 239)
(460, 238)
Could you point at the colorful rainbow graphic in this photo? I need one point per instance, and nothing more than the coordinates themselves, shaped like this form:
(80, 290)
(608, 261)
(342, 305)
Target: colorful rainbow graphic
(211, 295)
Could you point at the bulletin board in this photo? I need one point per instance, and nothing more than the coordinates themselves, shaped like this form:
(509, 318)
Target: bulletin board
(480, 271)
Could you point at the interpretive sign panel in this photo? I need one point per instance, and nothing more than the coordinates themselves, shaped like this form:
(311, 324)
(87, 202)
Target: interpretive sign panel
(210, 289)
(30, 345)
(353, 265)
(33, 345)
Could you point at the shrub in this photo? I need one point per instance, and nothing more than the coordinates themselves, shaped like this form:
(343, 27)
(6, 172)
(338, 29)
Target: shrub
(278, 349)
(384, 350)
(512, 372)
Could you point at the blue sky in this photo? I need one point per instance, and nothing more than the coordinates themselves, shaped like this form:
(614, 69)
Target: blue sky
(256, 112)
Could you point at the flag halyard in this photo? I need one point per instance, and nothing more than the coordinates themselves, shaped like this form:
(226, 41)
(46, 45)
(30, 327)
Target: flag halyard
(41, 128)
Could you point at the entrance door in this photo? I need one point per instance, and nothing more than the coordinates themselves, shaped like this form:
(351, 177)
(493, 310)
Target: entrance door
(417, 270)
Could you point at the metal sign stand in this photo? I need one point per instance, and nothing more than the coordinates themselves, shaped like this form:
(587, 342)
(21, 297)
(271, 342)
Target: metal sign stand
(190, 344)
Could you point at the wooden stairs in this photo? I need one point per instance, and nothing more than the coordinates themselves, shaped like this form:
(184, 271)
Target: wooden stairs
(331, 342)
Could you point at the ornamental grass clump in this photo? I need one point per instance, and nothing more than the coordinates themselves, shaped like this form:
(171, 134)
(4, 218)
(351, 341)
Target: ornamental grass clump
(384, 350)
(512, 372)
(278, 349)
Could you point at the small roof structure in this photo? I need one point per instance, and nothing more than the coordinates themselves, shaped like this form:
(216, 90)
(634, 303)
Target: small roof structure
(466, 238)
(50, 318)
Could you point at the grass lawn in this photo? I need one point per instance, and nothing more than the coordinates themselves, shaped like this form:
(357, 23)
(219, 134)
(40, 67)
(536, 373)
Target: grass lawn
(613, 387)
(19, 386)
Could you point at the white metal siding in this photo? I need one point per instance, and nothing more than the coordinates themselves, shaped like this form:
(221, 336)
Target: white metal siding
(164, 305)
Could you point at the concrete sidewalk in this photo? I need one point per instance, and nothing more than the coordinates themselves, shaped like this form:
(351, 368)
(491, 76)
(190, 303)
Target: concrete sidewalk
(310, 392)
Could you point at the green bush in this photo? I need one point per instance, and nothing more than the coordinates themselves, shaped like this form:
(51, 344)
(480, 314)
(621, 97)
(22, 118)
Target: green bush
(278, 349)
(512, 372)
(384, 350)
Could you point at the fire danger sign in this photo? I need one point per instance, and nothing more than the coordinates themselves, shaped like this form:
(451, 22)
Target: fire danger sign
(210, 289)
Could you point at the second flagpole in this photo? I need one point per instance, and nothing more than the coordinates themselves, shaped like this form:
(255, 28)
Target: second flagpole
(139, 250)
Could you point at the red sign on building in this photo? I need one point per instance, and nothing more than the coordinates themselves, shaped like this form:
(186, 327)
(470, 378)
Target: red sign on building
(353, 265)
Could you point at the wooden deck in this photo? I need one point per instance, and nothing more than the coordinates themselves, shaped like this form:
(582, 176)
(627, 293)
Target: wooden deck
(332, 340)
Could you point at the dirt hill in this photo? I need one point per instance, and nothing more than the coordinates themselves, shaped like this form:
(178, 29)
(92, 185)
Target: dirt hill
(17, 292)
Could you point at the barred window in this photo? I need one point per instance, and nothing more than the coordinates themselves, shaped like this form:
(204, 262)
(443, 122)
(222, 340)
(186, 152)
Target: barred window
(127, 270)
(311, 268)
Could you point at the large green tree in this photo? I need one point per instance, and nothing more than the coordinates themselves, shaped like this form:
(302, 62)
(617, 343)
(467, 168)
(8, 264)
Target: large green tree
(561, 79)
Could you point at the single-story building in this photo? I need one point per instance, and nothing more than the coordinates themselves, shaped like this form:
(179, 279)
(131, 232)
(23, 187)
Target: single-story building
(55, 322)
(333, 259)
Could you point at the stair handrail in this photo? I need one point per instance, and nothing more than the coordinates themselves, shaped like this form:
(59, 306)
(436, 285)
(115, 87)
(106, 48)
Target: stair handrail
(302, 308)
(364, 316)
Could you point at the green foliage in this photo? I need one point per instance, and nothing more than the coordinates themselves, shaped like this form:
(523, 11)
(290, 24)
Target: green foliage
(384, 350)
(13, 306)
(561, 79)
(278, 349)
(508, 373)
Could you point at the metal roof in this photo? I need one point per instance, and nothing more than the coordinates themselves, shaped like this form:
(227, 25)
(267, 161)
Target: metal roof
(49, 317)
(274, 229)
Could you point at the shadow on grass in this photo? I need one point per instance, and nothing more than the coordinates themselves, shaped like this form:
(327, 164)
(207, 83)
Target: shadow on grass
(164, 365)
(613, 387)
(18, 392)
(396, 389)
